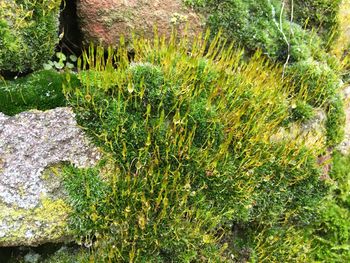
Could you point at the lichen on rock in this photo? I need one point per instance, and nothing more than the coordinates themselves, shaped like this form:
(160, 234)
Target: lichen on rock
(32, 199)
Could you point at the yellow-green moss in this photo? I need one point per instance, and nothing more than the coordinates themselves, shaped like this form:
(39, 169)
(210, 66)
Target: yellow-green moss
(45, 223)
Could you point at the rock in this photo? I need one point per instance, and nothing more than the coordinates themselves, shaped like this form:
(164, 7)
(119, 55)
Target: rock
(311, 133)
(108, 20)
(33, 146)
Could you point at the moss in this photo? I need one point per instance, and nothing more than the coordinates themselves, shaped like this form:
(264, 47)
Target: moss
(335, 123)
(302, 111)
(246, 22)
(67, 255)
(41, 90)
(188, 136)
(29, 33)
(320, 82)
(319, 15)
(331, 234)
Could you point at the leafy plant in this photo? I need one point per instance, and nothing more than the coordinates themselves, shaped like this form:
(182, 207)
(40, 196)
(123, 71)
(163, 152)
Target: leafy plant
(62, 62)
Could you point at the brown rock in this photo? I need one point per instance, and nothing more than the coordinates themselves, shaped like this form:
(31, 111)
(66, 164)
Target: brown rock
(106, 21)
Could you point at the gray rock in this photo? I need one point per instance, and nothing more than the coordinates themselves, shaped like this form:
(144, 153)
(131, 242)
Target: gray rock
(33, 146)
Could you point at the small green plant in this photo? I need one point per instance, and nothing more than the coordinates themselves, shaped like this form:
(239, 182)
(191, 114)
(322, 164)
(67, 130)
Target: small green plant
(302, 111)
(62, 62)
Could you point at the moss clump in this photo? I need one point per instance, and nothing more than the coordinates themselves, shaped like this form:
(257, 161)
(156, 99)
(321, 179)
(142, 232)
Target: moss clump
(41, 90)
(335, 120)
(320, 15)
(188, 136)
(298, 43)
(28, 33)
(302, 111)
(331, 234)
(318, 80)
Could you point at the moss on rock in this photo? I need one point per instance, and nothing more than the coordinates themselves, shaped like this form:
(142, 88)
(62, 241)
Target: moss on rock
(30, 227)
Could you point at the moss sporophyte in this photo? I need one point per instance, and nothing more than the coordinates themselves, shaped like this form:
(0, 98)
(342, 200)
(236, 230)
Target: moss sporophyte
(188, 132)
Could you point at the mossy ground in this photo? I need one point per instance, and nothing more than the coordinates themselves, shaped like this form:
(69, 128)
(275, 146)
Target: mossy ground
(190, 157)
(41, 90)
(193, 171)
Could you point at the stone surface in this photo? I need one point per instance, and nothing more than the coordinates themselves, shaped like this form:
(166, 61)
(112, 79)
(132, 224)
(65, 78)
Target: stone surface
(311, 133)
(108, 20)
(33, 146)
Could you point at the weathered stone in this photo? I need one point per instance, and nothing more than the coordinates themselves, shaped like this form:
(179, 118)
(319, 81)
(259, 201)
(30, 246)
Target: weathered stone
(311, 133)
(32, 200)
(107, 20)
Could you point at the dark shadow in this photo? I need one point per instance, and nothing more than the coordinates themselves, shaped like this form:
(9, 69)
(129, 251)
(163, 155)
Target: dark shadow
(69, 26)
(17, 254)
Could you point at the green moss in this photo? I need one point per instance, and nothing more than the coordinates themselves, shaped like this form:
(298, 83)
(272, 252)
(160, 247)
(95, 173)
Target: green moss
(188, 137)
(335, 123)
(41, 90)
(298, 44)
(29, 33)
(67, 255)
(318, 80)
(302, 111)
(331, 234)
(319, 15)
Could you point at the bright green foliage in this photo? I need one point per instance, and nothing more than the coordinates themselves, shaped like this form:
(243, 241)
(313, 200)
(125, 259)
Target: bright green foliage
(268, 25)
(321, 15)
(302, 111)
(28, 33)
(332, 233)
(317, 78)
(188, 150)
(253, 24)
(41, 90)
(335, 120)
